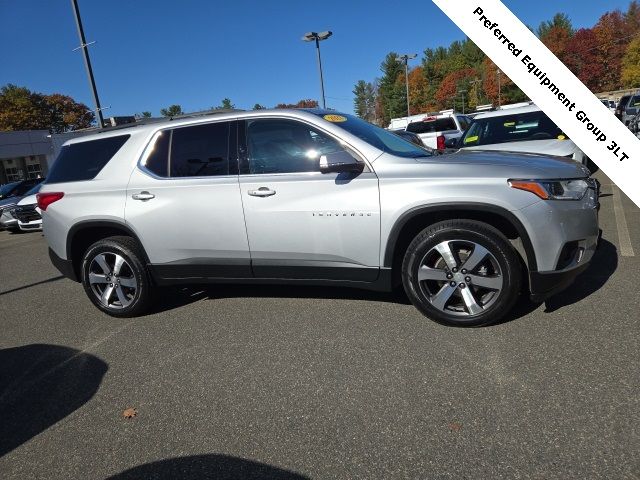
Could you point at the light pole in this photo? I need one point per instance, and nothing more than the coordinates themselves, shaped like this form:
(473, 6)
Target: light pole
(405, 58)
(317, 37)
(87, 62)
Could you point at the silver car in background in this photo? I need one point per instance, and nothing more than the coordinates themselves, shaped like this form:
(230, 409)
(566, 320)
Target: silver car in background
(313, 197)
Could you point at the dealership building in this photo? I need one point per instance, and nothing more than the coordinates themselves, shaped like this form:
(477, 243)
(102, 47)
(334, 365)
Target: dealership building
(29, 153)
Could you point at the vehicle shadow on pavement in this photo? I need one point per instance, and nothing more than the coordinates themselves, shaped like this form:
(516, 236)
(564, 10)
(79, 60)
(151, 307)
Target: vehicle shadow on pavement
(172, 297)
(603, 265)
(17, 289)
(198, 467)
(39, 386)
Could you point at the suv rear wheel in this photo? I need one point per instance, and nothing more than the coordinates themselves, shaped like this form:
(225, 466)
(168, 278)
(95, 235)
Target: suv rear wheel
(462, 273)
(115, 278)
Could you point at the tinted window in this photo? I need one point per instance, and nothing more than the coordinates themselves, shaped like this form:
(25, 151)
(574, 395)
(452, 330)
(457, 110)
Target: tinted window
(286, 146)
(634, 102)
(464, 122)
(200, 151)
(511, 128)
(378, 137)
(158, 159)
(84, 160)
(431, 126)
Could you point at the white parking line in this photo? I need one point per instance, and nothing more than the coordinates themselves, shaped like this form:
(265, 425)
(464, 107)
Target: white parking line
(626, 250)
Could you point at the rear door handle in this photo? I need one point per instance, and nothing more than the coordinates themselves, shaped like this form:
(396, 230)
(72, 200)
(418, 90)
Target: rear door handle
(262, 192)
(144, 196)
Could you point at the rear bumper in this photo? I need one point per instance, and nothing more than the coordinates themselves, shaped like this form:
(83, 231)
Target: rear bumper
(64, 266)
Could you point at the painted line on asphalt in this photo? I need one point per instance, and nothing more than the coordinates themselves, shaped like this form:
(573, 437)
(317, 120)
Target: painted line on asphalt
(626, 250)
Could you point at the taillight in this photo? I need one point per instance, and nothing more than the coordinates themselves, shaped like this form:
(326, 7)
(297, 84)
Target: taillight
(47, 198)
(440, 142)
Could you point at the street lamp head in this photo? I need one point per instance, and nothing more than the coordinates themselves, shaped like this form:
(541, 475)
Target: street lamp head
(408, 56)
(312, 36)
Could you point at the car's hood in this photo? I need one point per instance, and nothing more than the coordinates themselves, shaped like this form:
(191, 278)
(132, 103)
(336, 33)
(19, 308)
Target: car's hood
(560, 148)
(514, 165)
(30, 200)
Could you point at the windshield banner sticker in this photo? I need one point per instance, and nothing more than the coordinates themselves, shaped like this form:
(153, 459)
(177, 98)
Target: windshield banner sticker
(552, 87)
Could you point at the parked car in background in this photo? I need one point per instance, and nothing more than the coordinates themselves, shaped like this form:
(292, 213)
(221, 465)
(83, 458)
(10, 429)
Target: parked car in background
(27, 213)
(18, 189)
(609, 104)
(622, 103)
(523, 129)
(314, 197)
(434, 129)
(7, 220)
(412, 137)
(631, 109)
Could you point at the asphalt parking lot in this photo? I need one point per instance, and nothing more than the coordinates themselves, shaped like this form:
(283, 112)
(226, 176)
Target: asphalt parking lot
(282, 382)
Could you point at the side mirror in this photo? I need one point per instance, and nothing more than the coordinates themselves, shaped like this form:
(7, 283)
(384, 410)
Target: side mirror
(451, 143)
(339, 162)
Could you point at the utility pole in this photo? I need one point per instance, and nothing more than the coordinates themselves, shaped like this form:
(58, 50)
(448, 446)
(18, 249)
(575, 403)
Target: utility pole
(405, 58)
(462, 92)
(87, 62)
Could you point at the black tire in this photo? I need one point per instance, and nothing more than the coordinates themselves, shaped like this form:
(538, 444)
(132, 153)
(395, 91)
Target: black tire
(503, 264)
(133, 268)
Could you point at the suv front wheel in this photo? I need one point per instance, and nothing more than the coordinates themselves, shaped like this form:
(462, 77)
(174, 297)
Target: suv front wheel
(462, 273)
(115, 278)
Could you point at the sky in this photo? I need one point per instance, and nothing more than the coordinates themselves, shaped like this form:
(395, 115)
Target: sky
(152, 53)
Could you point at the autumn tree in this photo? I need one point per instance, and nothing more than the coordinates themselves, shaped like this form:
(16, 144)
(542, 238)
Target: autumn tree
(307, 103)
(172, 111)
(449, 92)
(631, 64)
(498, 88)
(22, 109)
(364, 101)
(420, 100)
(610, 32)
(582, 58)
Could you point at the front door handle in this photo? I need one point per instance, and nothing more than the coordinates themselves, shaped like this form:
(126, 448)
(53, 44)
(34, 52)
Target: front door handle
(262, 192)
(144, 196)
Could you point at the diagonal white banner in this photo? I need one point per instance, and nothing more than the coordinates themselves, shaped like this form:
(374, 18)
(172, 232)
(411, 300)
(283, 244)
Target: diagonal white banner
(546, 80)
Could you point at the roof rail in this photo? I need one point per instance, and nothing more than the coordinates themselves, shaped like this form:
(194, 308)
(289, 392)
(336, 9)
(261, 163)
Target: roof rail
(146, 121)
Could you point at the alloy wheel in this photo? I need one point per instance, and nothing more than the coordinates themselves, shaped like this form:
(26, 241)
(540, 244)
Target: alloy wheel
(112, 280)
(460, 277)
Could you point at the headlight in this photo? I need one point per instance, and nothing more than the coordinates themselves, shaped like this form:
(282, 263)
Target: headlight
(572, 189)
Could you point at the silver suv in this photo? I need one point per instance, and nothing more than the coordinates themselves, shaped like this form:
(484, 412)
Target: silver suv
(313, 197)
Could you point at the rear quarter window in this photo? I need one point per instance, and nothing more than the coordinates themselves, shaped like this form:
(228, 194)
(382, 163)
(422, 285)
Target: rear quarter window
(84, 160)
(431, 126)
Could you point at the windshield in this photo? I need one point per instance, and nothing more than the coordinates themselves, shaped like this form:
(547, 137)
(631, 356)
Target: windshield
(511, 128)
(376, 136)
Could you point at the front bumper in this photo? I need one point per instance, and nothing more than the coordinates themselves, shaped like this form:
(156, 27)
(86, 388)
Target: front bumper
(65, 267)
(547, 284)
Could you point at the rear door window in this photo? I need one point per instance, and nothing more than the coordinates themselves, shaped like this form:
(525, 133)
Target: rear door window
(200, 151)
(84, 160)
